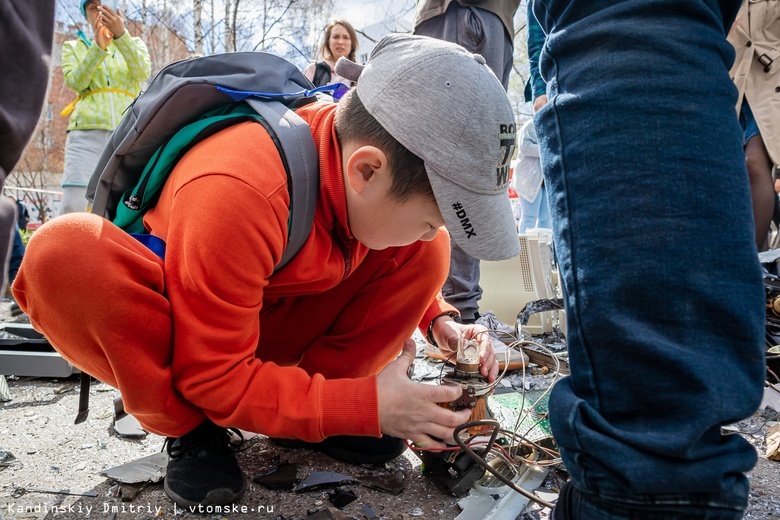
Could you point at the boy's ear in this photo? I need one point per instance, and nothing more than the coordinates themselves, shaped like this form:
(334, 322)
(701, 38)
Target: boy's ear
(365, 164)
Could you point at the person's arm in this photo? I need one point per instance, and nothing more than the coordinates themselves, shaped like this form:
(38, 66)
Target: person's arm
(78, 73)
(536, 39)
(528, 150)
(136, 56)
(27, 30)
(133, 49)
(528, 144)
(409, 410)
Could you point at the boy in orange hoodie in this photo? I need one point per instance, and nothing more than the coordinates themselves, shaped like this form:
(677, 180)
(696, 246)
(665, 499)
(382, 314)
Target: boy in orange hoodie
(210, 337)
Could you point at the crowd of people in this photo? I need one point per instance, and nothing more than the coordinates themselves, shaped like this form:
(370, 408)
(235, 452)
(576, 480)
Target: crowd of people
(662, 351)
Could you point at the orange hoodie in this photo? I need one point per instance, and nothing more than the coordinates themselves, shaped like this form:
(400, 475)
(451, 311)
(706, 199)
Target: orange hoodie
(231, 191)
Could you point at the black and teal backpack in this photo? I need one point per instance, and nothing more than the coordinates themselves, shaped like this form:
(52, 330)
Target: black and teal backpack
(191, 100)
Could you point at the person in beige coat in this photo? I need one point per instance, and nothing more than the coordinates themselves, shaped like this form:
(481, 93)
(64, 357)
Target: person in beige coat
(755, 36)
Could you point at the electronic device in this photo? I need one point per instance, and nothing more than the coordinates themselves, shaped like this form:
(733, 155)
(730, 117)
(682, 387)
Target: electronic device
(509, 285)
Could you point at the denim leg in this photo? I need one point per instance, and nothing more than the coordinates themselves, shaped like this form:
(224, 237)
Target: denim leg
(544, 220)
(536, 214)
(17, 253)
(642, 155)
(530, 212)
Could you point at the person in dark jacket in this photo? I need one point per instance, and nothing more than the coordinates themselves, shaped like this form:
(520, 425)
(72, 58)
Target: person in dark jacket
(27, 28)
(339, 39)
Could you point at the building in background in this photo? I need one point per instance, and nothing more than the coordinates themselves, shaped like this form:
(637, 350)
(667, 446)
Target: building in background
(36, 178)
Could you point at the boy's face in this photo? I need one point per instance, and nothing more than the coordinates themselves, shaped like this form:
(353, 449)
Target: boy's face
(376, 219)
(388, 223)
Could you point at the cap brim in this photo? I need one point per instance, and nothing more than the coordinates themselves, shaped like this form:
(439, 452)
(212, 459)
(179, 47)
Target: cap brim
(481, 224)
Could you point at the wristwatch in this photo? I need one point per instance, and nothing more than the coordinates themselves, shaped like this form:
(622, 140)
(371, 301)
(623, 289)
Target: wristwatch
(429, 335)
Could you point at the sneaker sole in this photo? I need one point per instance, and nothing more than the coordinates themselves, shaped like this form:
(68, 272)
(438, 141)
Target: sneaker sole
(215, 497)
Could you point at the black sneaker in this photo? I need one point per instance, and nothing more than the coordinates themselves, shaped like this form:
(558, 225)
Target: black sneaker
(351, 448)
(202, 468)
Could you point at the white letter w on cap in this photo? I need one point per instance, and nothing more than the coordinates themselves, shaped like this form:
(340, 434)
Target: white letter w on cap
(506, 140)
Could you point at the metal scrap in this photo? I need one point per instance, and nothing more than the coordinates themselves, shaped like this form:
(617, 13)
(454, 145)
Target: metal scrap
(17, 492)
(5, 392)
(537, 306)
(282, 477)
(320, 479)
(773, 443)
(7, 460)
(125, 424)
(128, 492)
(369, 513)
(342, 497)
(389, 483)
(541, 358)
(147, 469)
(491, 499)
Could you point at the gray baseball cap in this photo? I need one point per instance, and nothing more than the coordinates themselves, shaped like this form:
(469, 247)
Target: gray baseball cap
(445, 105)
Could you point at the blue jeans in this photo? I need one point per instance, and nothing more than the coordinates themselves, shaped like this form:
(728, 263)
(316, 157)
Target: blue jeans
(748, 122)
(536, 213)
(642, 154)
(17, 253)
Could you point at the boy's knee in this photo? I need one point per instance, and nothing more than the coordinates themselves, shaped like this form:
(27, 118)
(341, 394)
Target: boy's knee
(63, 239)
(58, 251)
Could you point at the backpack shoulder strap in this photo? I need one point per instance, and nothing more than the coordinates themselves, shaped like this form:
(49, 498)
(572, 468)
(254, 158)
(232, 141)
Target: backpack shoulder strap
(302, 165)
(321, 74)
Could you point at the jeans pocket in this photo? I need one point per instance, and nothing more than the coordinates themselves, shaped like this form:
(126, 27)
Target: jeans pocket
(474, 36)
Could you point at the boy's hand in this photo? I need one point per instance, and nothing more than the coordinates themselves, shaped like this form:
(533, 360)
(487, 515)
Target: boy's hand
(447, 332)
(410, 410)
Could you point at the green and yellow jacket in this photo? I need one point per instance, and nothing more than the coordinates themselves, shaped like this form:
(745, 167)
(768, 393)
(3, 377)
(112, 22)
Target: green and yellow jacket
(106, 81)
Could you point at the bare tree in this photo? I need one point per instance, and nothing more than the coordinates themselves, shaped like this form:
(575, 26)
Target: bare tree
(520, 74)
(289, 28)
(144, 21)
(197, 9)
(212, 32)
(229, 31)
